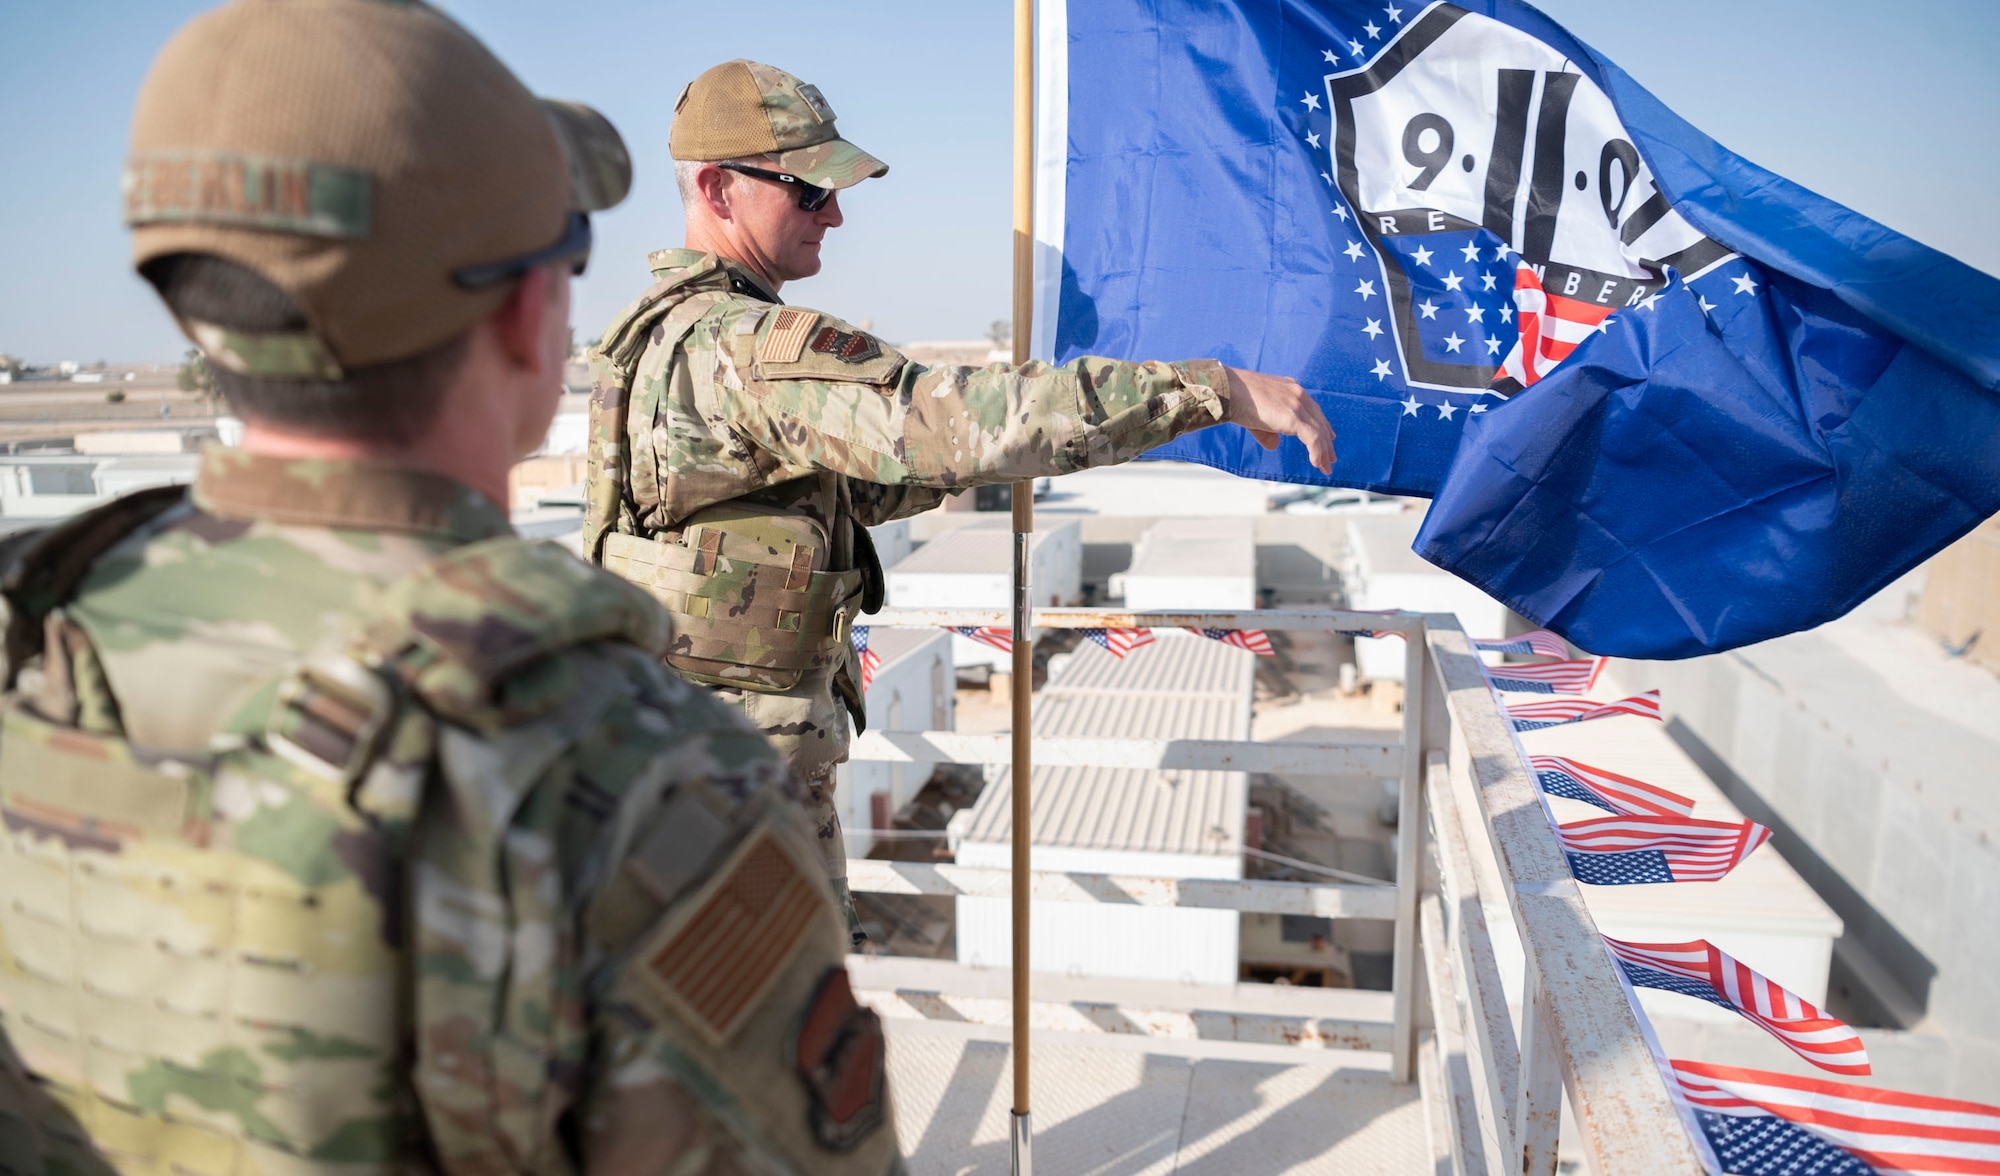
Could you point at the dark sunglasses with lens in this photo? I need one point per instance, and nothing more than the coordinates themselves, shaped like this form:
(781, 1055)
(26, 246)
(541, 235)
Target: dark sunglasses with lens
(812, 197)
(574, 248)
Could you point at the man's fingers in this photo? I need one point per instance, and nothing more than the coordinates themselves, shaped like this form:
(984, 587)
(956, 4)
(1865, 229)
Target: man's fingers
(1266, 438)
(1317, 432)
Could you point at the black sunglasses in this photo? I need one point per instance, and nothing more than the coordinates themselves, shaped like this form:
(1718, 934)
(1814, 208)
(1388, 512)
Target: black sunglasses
(812, 197)
(575, 246)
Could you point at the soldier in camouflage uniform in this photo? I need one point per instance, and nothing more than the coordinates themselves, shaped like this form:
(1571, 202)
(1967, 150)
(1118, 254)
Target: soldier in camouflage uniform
(344, 831)
(740, 447)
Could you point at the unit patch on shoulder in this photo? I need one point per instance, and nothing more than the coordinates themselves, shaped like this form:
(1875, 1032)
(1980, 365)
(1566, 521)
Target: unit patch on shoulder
(841, 1057)
(721, 951)
(846, 346)
(787, 337)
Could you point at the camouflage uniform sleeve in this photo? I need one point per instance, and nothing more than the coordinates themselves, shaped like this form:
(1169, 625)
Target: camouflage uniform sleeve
(814, 392)
(640, 959)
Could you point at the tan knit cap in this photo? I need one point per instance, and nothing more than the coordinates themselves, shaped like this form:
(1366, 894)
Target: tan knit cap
(357, 154)
(745, 108)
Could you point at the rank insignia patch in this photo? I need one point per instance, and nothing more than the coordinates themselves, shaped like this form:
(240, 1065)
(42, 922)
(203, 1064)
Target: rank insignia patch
(841, 1058)
(846, 346)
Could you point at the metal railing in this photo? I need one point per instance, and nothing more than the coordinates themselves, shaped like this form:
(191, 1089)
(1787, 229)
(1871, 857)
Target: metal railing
(1495, 1091)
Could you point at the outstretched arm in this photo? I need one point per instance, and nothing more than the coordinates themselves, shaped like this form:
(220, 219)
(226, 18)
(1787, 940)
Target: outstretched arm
(823, 395)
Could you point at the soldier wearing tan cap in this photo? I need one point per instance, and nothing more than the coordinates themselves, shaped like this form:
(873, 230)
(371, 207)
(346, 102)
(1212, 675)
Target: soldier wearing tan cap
(346, 832)
(740, 447)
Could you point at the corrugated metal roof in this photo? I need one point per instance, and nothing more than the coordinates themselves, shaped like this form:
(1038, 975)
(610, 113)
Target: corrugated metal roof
(1129, 809)
(977, 549)
(1176, 688)
(893, 645)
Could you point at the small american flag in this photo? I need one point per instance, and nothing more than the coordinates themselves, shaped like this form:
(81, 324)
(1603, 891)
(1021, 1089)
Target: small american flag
(1766, 1124)
(1609, 791)
(870, 660)
(1551, 327)
(1628, 851)
(1369, 632)
(1119, 642)
(1533, 716)
(1700, 969)
(1253, 640)
(998, 638)
(1556, 677)
(1541, 641)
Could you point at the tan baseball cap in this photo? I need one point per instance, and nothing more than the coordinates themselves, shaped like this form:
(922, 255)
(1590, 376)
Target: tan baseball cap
(743, 108)
(371, 159)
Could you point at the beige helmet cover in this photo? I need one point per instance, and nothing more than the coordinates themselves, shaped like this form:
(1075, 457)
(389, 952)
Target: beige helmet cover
(745, 108)
(356, 153)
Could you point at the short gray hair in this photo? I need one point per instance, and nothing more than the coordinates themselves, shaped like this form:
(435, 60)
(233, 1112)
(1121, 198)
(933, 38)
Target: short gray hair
(686, 169)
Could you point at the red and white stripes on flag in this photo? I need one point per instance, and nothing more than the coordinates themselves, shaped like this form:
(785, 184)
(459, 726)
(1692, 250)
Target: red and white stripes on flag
(1556, 677)
(1691, 850)
(1891, 1131)
(1700, 969)
(1551, 325)
(1118, 642)
(1541, 641)
(1561, 776)
(998, 638)
(870, 660)
(1532, 716)
(1253, 640)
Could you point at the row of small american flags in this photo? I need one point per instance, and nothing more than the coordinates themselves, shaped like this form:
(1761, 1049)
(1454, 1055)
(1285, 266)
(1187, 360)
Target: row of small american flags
(1756, 1122)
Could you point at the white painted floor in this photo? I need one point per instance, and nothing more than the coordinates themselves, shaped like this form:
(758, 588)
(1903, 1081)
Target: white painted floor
(1141, 1108)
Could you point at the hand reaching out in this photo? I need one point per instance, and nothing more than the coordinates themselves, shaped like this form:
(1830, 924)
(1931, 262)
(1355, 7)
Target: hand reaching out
(1271, 406)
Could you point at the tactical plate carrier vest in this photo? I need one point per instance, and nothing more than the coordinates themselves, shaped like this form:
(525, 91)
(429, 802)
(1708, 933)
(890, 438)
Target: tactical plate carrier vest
(752, 587)
(204, 959)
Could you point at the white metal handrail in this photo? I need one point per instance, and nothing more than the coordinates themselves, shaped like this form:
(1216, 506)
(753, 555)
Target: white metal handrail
(1499, 1092)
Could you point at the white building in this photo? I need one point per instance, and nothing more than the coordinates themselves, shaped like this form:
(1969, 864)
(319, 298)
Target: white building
(1383, 573)
(892, 542)
(973, 567)
(1189, 564)
(914, 689)
(1171, 824)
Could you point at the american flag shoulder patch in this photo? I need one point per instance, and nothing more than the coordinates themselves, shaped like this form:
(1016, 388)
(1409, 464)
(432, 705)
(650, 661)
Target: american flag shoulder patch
(715, 956)
(786, 340)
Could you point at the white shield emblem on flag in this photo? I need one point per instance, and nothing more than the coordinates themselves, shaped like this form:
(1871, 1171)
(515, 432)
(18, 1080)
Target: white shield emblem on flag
(1471, 153)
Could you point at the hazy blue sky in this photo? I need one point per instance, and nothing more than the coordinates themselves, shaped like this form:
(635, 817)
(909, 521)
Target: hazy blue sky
(1889, 107)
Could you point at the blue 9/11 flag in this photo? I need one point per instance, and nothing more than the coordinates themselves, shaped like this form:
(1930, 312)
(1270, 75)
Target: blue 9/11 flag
(1666, 403)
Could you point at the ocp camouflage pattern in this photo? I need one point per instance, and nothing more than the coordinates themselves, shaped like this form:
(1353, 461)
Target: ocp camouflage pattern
(321, 805)
(714, 416)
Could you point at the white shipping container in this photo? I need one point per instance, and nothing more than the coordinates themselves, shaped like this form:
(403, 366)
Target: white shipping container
(1162, 824)
(913, 690)
(1383, 573)
(1187, 564)
(973, 567)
